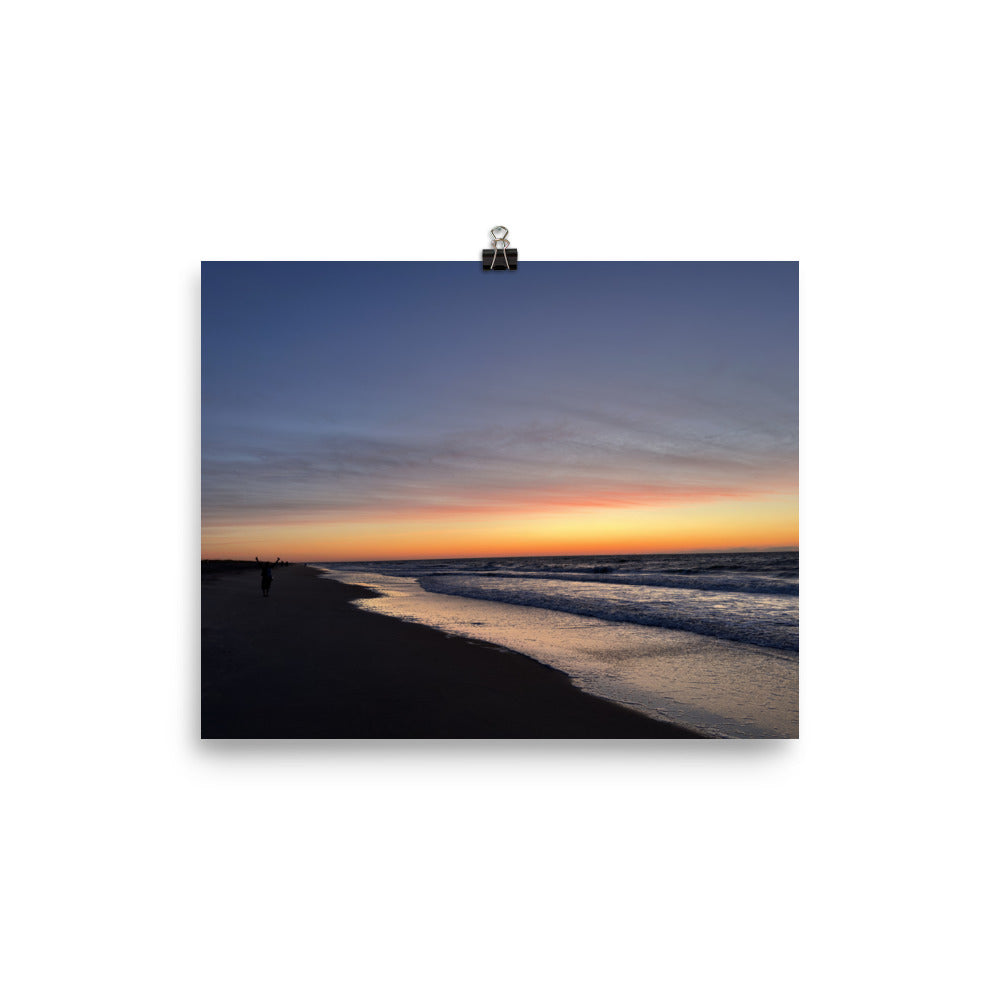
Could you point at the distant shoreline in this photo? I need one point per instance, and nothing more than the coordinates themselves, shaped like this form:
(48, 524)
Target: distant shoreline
(235, 563)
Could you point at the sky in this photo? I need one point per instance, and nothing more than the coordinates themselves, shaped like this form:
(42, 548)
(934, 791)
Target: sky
(359, 411)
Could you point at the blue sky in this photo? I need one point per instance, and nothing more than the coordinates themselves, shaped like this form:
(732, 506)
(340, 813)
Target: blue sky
(340, 393)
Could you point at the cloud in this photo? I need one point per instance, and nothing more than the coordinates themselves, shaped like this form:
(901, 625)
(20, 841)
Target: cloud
(581, 459)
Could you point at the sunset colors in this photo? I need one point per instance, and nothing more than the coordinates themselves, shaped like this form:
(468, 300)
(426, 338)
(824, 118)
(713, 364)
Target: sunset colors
(360, 411)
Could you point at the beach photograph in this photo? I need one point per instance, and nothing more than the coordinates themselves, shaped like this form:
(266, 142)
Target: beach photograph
(556, 503)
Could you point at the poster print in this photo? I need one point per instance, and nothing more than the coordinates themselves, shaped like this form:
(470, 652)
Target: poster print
(559, 502)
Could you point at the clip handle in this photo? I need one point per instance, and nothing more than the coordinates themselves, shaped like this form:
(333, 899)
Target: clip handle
(499, 241)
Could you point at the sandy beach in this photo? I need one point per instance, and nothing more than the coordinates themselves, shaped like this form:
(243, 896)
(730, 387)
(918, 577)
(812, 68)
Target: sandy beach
(305, 663)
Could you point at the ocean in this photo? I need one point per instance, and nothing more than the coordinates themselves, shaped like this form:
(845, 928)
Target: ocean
(707, 640)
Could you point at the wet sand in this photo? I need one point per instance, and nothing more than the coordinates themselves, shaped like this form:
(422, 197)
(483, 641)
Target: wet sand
(305, 663)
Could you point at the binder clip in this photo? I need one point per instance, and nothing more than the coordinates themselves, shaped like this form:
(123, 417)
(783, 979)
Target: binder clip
(500, 258)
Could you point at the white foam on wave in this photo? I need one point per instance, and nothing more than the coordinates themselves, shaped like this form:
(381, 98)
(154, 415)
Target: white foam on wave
(745, 597)
(763, 619)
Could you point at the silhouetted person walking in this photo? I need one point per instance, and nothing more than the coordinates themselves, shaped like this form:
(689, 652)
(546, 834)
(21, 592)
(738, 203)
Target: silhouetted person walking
(265, 575)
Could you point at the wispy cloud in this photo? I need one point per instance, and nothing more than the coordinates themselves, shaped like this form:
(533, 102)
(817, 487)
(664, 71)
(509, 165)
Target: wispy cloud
(532, 466)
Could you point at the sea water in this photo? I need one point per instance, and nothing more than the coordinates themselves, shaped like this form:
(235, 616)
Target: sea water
(709, 641)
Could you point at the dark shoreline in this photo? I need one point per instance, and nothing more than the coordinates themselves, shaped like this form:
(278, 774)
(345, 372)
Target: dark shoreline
(305, 663)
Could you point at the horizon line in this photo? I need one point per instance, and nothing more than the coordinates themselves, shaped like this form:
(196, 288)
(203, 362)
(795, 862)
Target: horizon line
(534, 555)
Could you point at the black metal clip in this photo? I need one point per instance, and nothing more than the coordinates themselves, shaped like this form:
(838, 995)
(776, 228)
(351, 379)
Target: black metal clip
(500, 244)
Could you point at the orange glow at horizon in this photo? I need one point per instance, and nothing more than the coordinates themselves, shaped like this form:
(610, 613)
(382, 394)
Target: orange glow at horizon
(770, 522)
